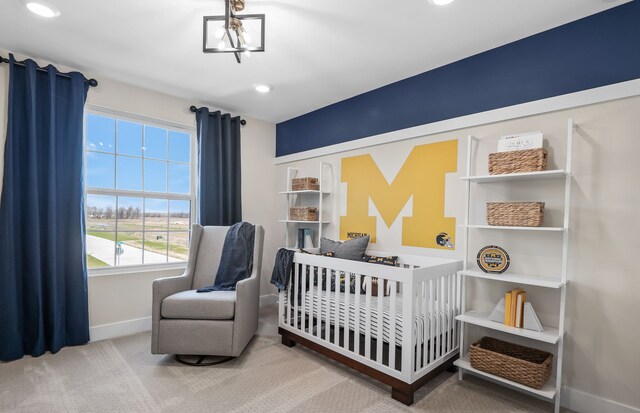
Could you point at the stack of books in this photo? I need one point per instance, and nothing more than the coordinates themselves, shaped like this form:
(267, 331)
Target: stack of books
(514, 307)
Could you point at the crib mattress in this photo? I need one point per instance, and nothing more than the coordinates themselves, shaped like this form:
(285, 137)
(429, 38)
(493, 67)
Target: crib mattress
(438, 318)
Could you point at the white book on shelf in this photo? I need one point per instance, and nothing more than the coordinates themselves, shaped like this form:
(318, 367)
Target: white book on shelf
(497, 314)
(531, 321)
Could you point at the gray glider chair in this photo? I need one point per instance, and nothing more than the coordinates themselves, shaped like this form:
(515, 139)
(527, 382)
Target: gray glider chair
(217, 323)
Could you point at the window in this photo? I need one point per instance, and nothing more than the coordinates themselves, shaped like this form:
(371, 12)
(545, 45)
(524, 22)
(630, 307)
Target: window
(139, 191)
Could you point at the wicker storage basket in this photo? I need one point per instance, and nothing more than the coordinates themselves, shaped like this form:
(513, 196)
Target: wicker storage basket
(305, 184)
(528, 160)
(515, 214)
(303, 214)
(524, 365)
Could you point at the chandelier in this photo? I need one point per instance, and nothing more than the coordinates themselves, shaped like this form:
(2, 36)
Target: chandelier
(233, 33)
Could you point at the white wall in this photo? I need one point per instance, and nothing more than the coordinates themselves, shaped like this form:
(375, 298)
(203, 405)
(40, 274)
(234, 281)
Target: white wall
(603, 330)
(117, 299)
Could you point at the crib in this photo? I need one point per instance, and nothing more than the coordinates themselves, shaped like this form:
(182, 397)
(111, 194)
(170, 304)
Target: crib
(403, 336)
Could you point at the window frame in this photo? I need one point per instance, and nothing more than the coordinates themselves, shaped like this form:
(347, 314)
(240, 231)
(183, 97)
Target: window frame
(193, 190)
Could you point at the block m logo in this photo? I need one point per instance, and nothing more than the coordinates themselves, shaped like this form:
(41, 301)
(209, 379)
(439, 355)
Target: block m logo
(422, 176)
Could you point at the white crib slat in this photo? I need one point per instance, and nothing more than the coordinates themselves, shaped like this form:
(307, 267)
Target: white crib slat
(392, 325)
(380, 323)
(318, 299)
(432, 320)
(440, 314)
(449, 306)
(336, 315)
(296, 296)
(303, 292)
(347, 311)
(288, 302)
(356, 329)
(417, 299)
(445, 316)
(327, 307)
(425, 320)
(367, 326)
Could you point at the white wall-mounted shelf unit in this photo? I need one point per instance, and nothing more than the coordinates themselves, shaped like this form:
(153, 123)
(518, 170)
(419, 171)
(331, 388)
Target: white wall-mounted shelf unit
(551, 229)
(535, 280)
(552, 335)
(314, 197)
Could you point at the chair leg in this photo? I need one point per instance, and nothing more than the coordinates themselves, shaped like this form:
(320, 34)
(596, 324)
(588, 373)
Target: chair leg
(200, 360)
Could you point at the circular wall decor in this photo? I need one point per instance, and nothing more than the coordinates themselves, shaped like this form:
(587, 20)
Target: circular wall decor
(493, 259)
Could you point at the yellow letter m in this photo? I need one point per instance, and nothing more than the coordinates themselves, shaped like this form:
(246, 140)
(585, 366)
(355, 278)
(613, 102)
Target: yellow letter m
(422, 176)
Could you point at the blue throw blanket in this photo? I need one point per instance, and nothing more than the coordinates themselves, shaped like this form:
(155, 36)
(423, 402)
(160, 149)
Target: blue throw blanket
(236, 262)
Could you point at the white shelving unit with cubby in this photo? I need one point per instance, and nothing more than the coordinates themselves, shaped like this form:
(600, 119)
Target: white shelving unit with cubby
(553, 335)
(315, 198)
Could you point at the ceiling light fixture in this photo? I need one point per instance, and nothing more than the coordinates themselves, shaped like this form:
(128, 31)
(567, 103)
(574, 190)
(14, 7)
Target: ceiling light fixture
(441, 2)
(231, 31)
(262, 88)
(42, 8)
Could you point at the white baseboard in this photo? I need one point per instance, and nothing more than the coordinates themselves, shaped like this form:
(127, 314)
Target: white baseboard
(122, 328)
(582, 402)
(268, 299)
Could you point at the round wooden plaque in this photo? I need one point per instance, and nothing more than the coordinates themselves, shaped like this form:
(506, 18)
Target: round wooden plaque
(493, 259)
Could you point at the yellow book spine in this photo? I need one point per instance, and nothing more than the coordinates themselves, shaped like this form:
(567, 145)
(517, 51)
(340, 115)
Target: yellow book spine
(514, 298)
(507, 308)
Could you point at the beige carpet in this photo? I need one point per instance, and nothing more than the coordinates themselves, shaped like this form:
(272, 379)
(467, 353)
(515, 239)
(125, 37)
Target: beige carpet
(121, 375)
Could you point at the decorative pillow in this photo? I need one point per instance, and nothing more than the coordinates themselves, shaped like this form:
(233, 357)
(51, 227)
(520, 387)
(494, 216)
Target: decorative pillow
(352, 249)
(391, 260)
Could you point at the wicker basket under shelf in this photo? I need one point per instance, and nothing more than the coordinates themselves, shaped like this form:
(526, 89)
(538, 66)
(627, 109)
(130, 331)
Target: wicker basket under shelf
(303, 214)
(528, 366)
(515, 214)
(528, 160)
(305, 184)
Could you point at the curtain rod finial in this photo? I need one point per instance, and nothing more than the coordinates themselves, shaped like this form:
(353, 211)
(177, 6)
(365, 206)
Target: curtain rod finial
(193, 108)
(93, 82)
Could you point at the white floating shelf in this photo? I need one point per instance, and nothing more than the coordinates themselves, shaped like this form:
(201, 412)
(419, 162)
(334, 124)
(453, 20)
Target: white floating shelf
(547, 391)
(551, 229)
(303, 222)
(306, 191)
(524, 176)
(549, 335)
(547, 282)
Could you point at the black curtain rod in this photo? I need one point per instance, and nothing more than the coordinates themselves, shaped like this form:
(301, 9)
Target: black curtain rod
(195, 109)
(92, 82)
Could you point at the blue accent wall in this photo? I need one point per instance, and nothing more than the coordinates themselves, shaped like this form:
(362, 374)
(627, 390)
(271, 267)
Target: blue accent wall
(598, 50)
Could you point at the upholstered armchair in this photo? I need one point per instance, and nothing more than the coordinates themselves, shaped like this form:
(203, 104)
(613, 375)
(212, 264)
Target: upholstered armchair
(218, 323)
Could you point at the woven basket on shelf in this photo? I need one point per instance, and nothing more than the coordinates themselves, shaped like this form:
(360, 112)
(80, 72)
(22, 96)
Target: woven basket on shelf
(515, 214)
(303, 214)
(528, 160)
(305, 184)
(524, 365)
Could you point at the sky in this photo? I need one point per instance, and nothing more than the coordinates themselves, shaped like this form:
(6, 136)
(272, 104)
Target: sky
(131, 156)
(119, 154)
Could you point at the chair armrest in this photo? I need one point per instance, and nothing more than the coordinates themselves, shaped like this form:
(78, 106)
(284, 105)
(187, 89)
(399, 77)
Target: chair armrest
(162, 288)
(247, 307)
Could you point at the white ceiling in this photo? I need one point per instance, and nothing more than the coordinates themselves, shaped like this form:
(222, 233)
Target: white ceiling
(318, 52)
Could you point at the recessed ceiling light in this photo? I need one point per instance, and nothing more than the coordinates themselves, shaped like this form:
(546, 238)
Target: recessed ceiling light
(262, 88)
(441, 2)
(42, 8)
